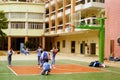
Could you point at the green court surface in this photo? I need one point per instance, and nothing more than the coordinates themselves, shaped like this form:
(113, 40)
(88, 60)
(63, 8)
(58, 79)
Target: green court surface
(109, 73)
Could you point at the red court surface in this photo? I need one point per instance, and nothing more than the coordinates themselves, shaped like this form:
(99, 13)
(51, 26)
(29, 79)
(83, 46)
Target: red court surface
(59, 69)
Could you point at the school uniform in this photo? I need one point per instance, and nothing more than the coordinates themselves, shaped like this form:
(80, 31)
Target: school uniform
(54, 52)
(44, 57)
(46, 68)
(39, 51)
(10, 52)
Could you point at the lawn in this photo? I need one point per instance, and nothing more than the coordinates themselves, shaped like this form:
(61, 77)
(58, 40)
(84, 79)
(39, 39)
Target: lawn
(109, 73)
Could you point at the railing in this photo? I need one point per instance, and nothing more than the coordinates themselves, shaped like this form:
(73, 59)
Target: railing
(29, 1)
(92, 21)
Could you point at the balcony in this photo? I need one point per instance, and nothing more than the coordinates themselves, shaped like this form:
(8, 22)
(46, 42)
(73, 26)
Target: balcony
(51, 32)
(78, 7)
(90, 4)
(46, 5)
(60, 29)
(94, 4)
(52, 2)
(68, 27)
(91, 21)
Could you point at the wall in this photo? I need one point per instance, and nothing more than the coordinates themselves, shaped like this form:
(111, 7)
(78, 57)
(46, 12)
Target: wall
(87, 36)
(112, 26)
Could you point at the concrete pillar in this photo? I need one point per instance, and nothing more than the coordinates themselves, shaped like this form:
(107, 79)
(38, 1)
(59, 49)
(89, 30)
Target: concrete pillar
(72, 13)
(9, 42)
(64, 16)
(56, 17)
(43, 41)
(50, 21)
(26, 39)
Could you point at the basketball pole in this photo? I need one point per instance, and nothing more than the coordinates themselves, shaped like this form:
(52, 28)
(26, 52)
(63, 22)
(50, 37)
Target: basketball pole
(101, 39)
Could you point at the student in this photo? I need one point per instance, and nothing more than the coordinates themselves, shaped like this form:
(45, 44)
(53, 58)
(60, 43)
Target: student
(27, 51)
(44, 57)
(39, 52)
(10, 52)
(54, 52)
(46, 68)
(23, 50)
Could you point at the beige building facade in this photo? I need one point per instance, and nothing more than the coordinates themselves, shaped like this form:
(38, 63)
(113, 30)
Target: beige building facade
(62, 18)
(26, 22)
(54, 22)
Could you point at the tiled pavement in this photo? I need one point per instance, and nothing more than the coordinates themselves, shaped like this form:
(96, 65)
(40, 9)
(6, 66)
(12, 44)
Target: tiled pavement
(78, 57)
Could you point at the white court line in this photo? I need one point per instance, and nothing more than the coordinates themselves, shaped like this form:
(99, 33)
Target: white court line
(112, 71)
(6, 73)
(13, 71)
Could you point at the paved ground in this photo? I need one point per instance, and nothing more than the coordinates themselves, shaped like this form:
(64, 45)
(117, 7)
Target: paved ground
(78, 57)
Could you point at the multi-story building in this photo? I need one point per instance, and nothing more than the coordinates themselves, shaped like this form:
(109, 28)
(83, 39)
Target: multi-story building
(26, 22)
(112, 27)
(62, 17)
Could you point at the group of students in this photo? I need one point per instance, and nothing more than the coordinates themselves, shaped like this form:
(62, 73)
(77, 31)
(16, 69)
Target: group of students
(43, 59)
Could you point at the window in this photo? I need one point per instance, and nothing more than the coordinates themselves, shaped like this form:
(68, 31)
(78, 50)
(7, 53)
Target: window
(102, 1)
(63, 44)
(88, 1)
(17, 25)
(18, 15)
(94, 1)
(35, 25)
(88, 21)
(35, 15)
(22, 0)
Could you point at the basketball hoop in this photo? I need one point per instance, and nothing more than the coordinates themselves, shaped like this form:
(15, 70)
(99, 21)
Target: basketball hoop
(75, 19)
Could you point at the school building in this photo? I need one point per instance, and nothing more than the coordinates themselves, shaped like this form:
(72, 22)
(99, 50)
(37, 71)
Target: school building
(54, 22)
(26, 22)
(62, 18)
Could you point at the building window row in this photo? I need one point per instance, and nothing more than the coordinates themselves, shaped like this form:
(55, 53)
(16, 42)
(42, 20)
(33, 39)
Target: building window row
(35, 16)
(33, 25)
(17, 15)
(31, 1)
(17, 25)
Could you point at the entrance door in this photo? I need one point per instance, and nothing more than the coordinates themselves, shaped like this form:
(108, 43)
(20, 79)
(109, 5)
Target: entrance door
(73, 47)
(112, 48)
(82, 47)
(93, 48)
(15, 43)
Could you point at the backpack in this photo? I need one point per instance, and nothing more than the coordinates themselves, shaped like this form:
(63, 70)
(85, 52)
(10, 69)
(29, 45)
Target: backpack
(91, 63)
(95, 64)
(45, 55)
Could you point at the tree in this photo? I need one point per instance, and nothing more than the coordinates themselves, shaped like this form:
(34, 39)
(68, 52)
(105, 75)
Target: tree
(3, 23)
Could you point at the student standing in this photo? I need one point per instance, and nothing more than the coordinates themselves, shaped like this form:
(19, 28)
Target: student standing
(44, 57)
(39, 52)
(10, 52)
(54, 52)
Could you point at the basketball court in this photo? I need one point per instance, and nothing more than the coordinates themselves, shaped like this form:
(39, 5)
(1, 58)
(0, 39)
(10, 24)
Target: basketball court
(59, 69)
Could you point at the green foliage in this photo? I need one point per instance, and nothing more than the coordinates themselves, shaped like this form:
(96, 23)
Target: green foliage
(3, 23)
(28, 44)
